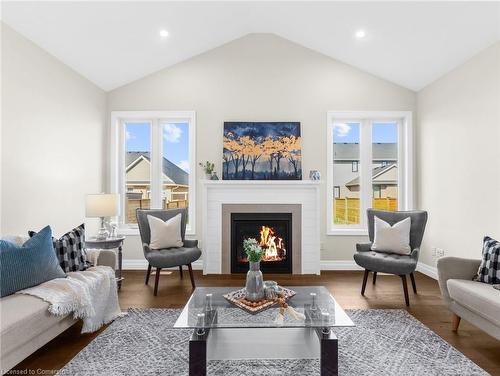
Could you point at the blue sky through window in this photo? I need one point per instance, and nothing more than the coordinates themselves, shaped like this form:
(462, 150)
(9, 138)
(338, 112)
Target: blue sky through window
(138, 137)
(176, 144)
(381, 133)
(175, 141)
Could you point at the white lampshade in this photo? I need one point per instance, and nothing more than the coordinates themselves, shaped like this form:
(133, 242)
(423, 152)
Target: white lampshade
(102, 205)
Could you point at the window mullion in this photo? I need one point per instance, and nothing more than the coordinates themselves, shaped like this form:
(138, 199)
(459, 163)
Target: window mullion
(156, 164)
(365, 169)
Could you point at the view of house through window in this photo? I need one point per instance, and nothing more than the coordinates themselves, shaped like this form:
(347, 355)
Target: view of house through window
(348, 189)
(346, 153)
(385, 166)
(175, 165)
(172, 155)
(137, 168)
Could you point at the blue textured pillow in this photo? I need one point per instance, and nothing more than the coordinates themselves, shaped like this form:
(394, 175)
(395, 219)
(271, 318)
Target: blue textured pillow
(29, 265)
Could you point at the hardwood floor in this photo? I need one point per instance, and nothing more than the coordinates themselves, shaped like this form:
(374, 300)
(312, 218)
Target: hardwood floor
(173, 292)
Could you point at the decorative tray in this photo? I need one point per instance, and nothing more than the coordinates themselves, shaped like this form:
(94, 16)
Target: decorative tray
(238, 299)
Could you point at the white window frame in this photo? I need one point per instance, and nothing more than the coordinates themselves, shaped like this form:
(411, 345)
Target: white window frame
(405, 163)
(117, 160)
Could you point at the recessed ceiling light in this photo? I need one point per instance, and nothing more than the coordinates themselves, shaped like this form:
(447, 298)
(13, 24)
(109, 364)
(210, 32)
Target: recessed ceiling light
(163, 33)
(360, 34)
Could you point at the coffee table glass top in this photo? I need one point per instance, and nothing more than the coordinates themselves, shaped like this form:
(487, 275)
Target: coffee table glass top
(323, 312)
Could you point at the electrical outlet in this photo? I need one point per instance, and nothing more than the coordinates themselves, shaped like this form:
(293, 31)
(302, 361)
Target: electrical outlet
(440, 252)
(433, 252)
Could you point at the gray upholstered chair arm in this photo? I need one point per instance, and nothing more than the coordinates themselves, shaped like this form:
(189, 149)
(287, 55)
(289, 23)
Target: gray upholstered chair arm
(190, 243)
(107, 257)
(363, 247)
(145, 248)
(455, 268)
(415, 253)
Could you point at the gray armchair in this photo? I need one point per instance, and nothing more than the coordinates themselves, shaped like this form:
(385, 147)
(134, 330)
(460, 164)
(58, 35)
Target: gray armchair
(169, 257)
(392, 263)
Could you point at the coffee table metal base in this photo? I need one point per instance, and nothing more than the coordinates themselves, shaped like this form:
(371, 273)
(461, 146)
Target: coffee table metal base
(260, 343)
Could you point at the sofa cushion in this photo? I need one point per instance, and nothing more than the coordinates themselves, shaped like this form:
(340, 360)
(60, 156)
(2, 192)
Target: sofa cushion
(478, 297)
(23, 317)
(29, 265)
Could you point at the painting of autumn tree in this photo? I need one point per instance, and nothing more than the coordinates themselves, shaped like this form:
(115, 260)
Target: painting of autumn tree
(262, 151)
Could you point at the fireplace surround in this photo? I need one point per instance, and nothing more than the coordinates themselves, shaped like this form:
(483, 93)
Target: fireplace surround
(273, 232)
(221, 198)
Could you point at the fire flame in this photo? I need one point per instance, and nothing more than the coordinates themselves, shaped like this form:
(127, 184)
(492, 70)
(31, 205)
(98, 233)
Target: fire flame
(272, 245)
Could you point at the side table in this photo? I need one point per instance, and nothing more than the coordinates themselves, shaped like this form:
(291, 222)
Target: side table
(109, 243)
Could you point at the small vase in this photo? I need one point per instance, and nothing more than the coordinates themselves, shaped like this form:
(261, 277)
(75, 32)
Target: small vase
(255, 283)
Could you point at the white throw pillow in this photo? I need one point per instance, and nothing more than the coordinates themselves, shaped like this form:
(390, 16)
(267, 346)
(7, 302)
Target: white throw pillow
(392, 239)
(165, 234)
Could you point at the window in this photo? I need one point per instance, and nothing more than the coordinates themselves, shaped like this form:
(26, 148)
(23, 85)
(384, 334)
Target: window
(137, 168)
(385, 182)
(346, 138)
(380, 142)
(153, 163)
(336, 191)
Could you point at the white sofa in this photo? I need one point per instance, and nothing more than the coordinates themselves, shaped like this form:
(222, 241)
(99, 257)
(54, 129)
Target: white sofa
(476, 302)
(26, 324)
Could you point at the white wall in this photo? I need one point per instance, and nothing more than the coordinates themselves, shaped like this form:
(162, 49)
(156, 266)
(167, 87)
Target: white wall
(458, 160)
(53, 129)
(262, 77)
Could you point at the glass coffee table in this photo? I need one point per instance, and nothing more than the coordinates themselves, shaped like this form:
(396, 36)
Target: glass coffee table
(222, 331)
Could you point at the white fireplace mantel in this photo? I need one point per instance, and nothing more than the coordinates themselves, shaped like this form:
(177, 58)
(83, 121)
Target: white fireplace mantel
(302, 192)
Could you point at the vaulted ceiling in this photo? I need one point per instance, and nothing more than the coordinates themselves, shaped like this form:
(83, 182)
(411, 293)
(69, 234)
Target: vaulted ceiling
(114, 43)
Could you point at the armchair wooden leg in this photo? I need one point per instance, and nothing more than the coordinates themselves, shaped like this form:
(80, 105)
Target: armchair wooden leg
(412, 277)
(374, 277)
(365, 278)
(455, 322)
(191, 275)
(180, 271)
(405, 289)
(148, 273)
(157, 280)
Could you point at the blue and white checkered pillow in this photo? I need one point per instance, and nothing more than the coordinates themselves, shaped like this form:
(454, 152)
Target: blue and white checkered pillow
(489, 270)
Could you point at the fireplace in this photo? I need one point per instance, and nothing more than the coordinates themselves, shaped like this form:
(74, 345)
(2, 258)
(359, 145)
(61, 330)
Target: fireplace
(273, 232)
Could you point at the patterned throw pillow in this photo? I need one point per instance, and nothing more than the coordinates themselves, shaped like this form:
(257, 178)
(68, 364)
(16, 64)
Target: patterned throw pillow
(69, 249)
(489, 270)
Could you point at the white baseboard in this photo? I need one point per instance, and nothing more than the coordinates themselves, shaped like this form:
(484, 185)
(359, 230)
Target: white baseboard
(142, 264)
(430, 271)
(339, 265)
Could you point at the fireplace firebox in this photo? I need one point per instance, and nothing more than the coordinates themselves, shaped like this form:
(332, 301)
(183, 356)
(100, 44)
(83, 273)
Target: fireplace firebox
(273, 232)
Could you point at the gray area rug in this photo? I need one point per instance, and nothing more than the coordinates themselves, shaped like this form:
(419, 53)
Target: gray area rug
(384, 342)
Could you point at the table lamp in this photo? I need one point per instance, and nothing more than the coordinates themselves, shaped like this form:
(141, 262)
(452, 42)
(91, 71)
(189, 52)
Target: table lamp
(102, 205)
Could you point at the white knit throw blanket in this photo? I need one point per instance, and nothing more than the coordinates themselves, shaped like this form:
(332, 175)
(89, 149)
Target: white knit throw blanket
(90, 295)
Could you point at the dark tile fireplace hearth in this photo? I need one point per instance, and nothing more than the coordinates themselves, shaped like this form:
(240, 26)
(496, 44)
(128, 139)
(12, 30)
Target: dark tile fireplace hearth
(273, 231)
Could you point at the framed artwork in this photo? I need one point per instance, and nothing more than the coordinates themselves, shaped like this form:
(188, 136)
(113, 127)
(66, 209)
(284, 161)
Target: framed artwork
(262, 151)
